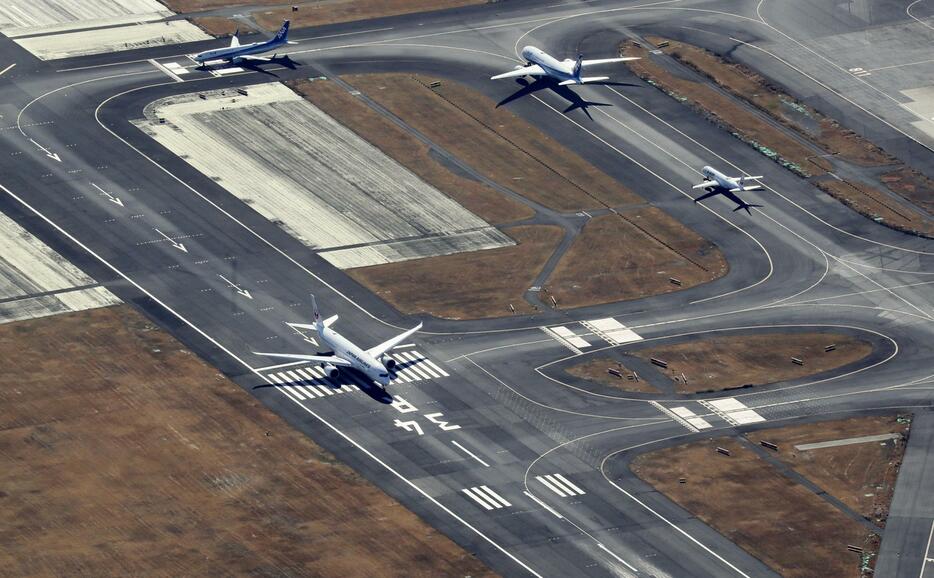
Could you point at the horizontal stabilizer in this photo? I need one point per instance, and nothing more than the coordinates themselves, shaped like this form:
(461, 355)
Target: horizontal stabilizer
(747, 188)
(586, 63)
(587, 79)
(704, 185)
(332, 359)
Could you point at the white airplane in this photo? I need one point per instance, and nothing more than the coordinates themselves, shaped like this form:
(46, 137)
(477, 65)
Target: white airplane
(236, 53)
(565, 71)
(718, 183)
(373, 362)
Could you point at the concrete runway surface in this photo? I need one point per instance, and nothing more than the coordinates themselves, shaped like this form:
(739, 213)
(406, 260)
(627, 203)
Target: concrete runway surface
(482, 438)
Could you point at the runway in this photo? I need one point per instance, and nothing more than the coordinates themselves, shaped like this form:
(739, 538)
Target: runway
(485, 440)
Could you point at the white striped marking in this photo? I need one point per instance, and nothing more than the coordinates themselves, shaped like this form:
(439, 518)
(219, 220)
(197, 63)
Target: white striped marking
(470, 453)
(487, 498)
(560, 485)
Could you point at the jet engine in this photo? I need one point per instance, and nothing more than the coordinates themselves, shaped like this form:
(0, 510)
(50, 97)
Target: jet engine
(330, 370)
(389, 363)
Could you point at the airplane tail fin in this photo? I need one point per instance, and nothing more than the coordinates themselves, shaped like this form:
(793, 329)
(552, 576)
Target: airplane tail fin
(319, 324)
(235, 39)
(283, 34)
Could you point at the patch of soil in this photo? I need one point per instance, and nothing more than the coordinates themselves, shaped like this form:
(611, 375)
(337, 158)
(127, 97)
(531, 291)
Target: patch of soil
(862, 476)
(472, 285)
(596, 370)
(755, 506)
(122, 453)
(632, 255)
(729, 361)
(489, 204)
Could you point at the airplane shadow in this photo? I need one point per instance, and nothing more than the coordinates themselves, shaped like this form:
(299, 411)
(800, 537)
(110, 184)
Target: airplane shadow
(717, 190)
(255, 66)
(363, 382)
(575, 101)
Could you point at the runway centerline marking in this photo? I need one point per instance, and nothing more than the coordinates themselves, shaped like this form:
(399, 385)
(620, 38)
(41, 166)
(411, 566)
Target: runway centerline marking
(470, 453)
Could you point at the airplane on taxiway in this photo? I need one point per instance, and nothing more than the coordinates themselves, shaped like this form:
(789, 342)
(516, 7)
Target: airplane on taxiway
(719, 184)
(566, 72)
(236, 53)
(373, 362)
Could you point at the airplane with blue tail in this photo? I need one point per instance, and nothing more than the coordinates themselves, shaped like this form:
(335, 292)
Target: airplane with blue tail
(236, 52)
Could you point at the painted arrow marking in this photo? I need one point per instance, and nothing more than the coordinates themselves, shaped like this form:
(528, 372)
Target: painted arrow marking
(236, 288)
(175, 243)
(47, 152)
(111, 198)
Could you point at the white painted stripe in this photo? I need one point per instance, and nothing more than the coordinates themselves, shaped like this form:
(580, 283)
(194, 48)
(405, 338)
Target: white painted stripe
(345, 388)
(434, 366)
(324, 388)
(569, 484)
(423, 371)
(605, 549)
(293, 377)
(285, 378)
(2, 72)
(699, 422)
(407, 374)
(307, 391)
(307, 375)
(551, 333)
(558, 484)
(683, 411)
(478, 499)
(495, 496)
(403, 346)
(551, 487)
(544, 505)
(288, 388)
(673, 415)
(470, 453)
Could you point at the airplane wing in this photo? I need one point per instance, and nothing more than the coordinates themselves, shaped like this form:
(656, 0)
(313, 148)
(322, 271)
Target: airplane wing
(332, 359)
(585, 63)
(531, 70)
(390, 343)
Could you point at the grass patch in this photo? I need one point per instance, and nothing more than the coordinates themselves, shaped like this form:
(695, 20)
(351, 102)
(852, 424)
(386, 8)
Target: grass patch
(123, 453)
(632, 255)
(729, 361)
(471, 285)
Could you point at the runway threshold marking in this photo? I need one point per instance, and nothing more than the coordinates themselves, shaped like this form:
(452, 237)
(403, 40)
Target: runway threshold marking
(566, 337)
(560, 485)
(674, 416)
(612, 331)
(486, 497)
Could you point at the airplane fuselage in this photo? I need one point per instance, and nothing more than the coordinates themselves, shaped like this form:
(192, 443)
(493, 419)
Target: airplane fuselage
(719, 179)
(359, 359)
(561, 70)
(234, 52)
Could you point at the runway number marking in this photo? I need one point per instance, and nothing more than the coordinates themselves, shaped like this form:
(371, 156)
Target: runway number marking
(859, 72)
(402, 406)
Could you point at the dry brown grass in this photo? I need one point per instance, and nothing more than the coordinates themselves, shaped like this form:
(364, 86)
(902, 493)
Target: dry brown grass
(725, 361)
(487, 203)
(751, 87)
(747, 500)
(725, 111)
(821, 131)
(124, 454)
(618, 257)
(470, 285)
(316, 13)
(862, 476)
(495, 142)
(220, 26)
(596, 370)
(876, 204)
